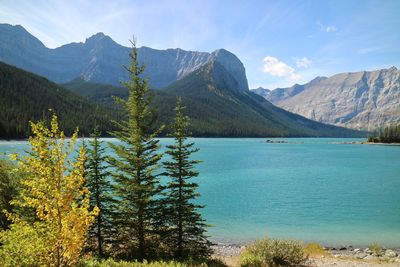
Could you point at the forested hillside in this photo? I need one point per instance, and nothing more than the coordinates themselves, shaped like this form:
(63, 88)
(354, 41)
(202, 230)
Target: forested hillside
(101, 93)
(217, 108)
(26, 97)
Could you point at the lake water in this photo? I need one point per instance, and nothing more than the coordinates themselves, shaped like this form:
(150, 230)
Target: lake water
(310, 189)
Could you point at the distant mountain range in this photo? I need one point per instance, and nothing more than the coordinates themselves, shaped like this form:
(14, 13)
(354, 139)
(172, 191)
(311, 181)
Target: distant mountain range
(213, 86)
(361, 100)
(99, 59)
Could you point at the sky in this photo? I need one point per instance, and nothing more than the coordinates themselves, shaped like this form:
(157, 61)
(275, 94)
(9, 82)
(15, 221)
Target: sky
(279, 42)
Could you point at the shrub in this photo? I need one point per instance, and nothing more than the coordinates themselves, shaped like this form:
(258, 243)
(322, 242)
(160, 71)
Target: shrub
(376, 249)
(92, 262)
(22, 245)
(314, 249)
(274, 253)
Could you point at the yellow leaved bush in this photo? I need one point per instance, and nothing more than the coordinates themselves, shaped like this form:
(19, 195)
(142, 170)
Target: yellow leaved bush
(53, 187)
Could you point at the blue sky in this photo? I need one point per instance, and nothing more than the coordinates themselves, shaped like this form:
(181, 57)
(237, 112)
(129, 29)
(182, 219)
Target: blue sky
(279, 42)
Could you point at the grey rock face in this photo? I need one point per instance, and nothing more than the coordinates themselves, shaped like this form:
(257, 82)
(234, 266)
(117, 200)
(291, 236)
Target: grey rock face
(361, 100)
(100, 59)
(233, 65)
(262, 92)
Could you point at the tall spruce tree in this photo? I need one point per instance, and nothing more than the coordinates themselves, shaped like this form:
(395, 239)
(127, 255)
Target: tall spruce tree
(100, 192)
(187, 228)
(135, 165)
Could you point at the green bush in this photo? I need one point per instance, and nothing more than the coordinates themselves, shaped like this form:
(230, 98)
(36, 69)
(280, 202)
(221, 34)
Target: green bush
(274, 253)
(92, 262)
(114, 263)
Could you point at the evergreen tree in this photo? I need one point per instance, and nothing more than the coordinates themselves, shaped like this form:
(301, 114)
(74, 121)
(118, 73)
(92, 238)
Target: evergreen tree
(187, 228)
(9, 189)
(100, 191)
(137, 159)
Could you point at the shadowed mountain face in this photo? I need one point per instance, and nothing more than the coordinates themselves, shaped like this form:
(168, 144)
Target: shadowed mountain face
(99, 59)
(360, 100)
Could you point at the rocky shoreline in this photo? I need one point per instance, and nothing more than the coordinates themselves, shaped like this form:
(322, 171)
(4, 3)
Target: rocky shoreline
(386, 255)
(365, 143)
(379, 254)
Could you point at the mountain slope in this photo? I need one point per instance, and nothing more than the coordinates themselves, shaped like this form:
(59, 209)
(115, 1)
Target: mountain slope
(360, 100)
(97, 92)
(99, 59)
(27, 97)
(217, 108)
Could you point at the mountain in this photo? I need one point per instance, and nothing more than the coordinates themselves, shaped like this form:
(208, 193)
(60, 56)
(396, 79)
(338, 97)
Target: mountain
(360, 100)
(215, 105)
(262, 92)
(217, 108)
(99, 59)
(26, 97)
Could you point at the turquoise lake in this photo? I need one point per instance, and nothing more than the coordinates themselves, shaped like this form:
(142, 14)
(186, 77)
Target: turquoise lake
(312, 189)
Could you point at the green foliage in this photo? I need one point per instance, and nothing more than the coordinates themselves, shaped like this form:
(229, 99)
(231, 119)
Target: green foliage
(389, 134)
(27, 97)
(9, 188)
(136, 185)
(186, 227)
(23, 245)
(114, 263)
(274, 253)
(96, 178)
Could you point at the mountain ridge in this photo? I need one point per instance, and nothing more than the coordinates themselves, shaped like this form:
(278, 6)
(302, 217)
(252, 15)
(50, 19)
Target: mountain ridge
(100, 59)
(363, 100)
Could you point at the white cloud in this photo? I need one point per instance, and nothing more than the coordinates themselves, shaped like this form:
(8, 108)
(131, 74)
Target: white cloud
(327, 28)
(303, 62)
(331, 29)
(275, 67)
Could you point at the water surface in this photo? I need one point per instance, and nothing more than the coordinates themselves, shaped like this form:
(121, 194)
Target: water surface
(310, 189)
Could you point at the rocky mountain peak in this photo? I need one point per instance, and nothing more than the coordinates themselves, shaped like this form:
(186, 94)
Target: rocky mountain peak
(233, 65)
(261, 91)
(15, 36)
(100, 59)
(99, 38)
